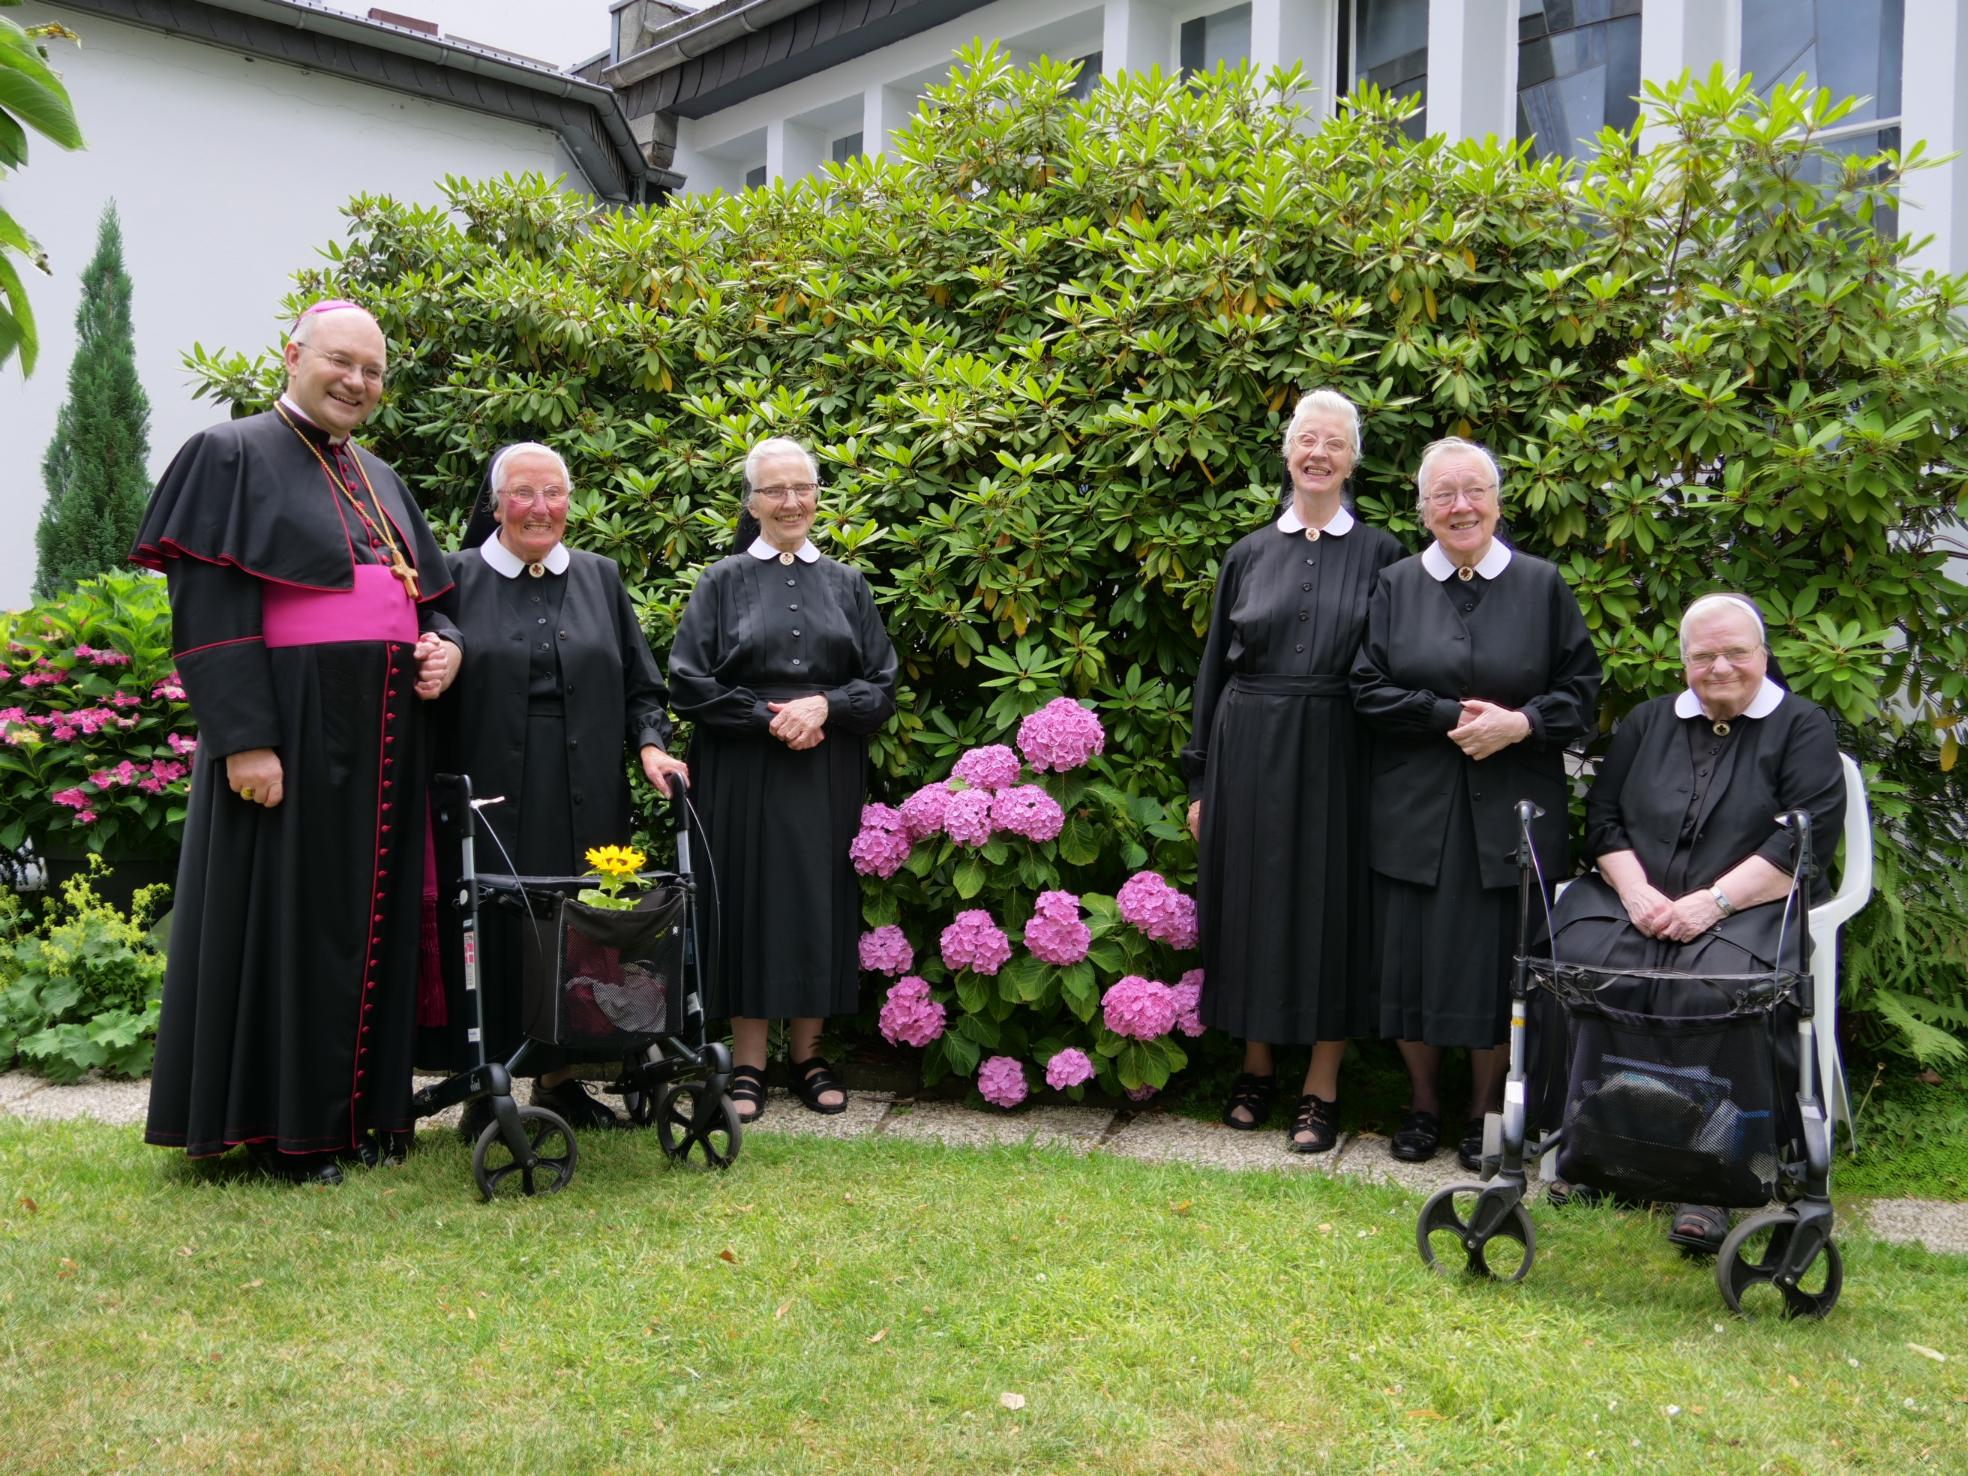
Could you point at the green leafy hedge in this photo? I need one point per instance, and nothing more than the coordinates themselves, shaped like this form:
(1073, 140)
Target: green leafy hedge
(1046, 348)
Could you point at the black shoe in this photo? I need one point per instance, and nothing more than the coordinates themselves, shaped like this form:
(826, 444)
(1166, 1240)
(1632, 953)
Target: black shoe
(1417, 1138)
(1558, 1194)
(1319, 1120)
(1699, 1229)
(1249, 1093)
(1469, 1152)
(573, 1104)
(297, 1168)
(478, 1116)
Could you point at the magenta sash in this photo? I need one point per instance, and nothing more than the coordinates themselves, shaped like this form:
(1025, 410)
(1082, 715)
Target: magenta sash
(374, 609)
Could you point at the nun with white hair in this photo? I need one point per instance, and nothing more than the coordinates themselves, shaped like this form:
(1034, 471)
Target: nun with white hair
(555, 682)
(1691, 866)
(1276, 768)
(784, 670)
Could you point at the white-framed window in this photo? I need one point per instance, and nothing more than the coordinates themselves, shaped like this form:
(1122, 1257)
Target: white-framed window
(1385, 43)
(1219, 37)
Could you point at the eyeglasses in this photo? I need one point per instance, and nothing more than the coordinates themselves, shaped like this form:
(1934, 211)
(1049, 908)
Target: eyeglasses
(1332, 445)
(1734, 655)
(555, 496)
(1446, 499)
(372, 375)
(789, 492)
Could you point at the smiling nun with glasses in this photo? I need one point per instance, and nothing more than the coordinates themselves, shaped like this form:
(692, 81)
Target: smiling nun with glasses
(1692, 866)
(1476, 672)
(784, 670)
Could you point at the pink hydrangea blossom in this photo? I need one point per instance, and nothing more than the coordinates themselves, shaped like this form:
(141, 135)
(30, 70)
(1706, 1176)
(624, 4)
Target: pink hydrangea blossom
(886, 950)
(1061, 735)
(882, 845)
(170, 689)
(5, 675)
(41, 678)
(975, 942)
(1141, 1093)
(991, 767)
(1068, 1068)
(1055, 934)
(1027, 810)
(1158, 910)
(1001, 1081)
(74, 799)
(1188, 991)
(169, 770)
(922, 812)
(1141, 1009)
(181, 746)
(97, 657)
(909, 1016)
(121, 698)
(967, 818)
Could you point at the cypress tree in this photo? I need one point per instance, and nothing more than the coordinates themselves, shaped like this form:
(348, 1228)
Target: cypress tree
(95, 467)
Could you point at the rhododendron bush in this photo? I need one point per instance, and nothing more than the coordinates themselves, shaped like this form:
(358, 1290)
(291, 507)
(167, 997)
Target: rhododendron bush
(1015, 930)
(96, 737)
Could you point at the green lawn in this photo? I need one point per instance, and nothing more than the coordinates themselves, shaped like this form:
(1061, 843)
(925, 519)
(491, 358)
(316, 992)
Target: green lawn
(866, 1307)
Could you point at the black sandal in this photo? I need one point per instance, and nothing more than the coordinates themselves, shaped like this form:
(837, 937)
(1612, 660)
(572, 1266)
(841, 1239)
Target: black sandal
(747, 1089)
(1417, 1138)
(1469, 1152)
(1252, 1094)
(814, 1077)
(1699, 1229)
(1318, 1117)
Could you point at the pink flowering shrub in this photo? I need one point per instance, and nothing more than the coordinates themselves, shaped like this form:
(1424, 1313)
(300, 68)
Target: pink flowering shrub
(992, 767)
(1001, 1081)
(881, 845)
(1060, 736)
(909, 1016)
(96, 739)
(1001, 851)
(975, 942)
(886, 950)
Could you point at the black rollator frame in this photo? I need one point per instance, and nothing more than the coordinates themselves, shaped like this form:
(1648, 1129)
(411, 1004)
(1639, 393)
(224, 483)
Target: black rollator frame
(675, 1080)
(1789, 1250)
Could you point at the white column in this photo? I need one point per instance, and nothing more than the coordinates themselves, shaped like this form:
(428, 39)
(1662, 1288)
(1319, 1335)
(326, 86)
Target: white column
(1472, 68)
(1691, 36)
(1134, 36)
(1303, 31)
(792, 150)
(1934, 109)
(885, 112)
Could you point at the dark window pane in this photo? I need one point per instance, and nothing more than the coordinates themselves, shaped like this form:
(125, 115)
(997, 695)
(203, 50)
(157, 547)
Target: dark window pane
(1852, 47)
(755, 178)
(1389, 48)
(1192, 45)
(1089, 77)
(1576, 81)
(847, 146)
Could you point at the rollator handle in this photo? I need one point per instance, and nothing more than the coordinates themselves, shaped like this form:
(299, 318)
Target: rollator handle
(1798, 822)
(1529, 810)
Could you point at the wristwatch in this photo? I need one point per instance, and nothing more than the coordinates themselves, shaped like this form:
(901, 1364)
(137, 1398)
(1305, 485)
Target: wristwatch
(1722, 903)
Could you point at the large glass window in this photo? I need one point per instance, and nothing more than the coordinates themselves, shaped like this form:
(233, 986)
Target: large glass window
(847, 146)
(1223, 37)
(1578, 70)
(1385, 42)
(1088, 79)
(1852, 47)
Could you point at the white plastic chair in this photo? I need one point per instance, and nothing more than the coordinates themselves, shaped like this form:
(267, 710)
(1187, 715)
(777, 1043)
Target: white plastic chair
(1854, 890)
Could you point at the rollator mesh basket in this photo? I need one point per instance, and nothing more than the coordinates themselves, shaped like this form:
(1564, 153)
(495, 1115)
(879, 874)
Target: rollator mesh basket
(1673, 1106)
(597, 979)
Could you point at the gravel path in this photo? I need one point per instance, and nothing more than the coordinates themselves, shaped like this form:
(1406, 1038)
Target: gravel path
(1151, 1136)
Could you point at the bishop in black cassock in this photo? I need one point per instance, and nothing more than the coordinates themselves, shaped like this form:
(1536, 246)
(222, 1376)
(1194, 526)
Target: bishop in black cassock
(302, 577)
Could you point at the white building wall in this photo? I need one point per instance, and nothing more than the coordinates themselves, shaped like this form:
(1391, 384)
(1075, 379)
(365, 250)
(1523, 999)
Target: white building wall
(229, 173)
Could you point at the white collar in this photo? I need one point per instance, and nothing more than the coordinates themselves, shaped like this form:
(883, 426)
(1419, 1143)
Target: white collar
(764, 552)
(1489, 566)
(1340, 524)
(293, 409)
(1764, 703)
(504, 561)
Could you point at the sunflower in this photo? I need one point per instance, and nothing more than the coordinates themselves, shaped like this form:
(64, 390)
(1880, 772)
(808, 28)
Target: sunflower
(616, 860)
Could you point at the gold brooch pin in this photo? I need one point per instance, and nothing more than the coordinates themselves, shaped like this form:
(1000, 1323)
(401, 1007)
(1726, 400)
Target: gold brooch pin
(1721, 729)
(785, 558)
(536, 569)
(1465, 573)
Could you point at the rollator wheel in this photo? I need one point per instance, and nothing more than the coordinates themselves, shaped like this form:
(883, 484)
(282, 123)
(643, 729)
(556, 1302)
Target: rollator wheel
(1746, 1269)
(677, 1105)
(639, 1108)
(1443, 1236)
(546, 1170)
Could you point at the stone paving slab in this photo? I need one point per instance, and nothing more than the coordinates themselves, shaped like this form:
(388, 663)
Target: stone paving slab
(1365, 1156)
(785, 1113)
(1934, 1223)
(1159, 1137)
(17, 1084)
(1075, 1128)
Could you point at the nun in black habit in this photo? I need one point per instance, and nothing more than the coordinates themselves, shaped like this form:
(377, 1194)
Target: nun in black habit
(555, 680)
(302, 579)
(1276, 767)
(1476, 672)
(1691, 867)
(784, 670)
